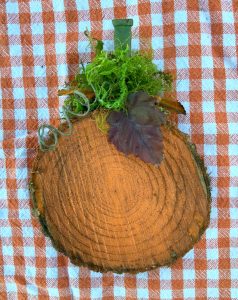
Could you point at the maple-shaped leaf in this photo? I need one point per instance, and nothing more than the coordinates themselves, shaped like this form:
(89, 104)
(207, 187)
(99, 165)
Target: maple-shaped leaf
(137, 130)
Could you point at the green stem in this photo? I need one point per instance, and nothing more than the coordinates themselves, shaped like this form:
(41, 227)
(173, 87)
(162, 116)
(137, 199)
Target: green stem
(122, 33)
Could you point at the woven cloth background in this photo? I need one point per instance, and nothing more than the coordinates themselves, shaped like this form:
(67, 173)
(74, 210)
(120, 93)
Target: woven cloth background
(41, 45)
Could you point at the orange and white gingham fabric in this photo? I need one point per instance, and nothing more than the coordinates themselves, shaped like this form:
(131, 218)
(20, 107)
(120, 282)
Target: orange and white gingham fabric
(41, 45)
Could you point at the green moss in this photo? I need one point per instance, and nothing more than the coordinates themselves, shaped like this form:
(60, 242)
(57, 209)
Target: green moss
(113, 76)
(73, 105)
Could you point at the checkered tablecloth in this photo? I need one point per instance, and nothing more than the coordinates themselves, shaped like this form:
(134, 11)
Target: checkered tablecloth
(41, 45)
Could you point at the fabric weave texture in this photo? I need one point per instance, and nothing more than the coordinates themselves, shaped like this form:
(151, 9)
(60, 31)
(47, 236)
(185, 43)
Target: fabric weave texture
(41, 46)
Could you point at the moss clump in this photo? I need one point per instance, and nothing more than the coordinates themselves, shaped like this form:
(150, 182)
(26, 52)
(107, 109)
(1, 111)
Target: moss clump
(73, 104)
(113, 76)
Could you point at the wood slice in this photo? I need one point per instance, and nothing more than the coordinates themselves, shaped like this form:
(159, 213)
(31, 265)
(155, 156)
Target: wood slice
(114, 212)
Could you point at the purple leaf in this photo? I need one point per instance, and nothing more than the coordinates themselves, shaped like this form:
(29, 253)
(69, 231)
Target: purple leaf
(137, 130)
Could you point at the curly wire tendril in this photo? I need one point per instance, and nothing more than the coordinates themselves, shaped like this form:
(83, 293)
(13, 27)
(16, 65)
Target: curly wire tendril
(66, 112)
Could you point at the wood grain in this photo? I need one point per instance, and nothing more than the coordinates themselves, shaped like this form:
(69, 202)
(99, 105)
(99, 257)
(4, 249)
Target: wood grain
(114, 212)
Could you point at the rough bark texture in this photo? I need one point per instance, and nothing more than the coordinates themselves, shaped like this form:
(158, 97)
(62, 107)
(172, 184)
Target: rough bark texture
(114, 212)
